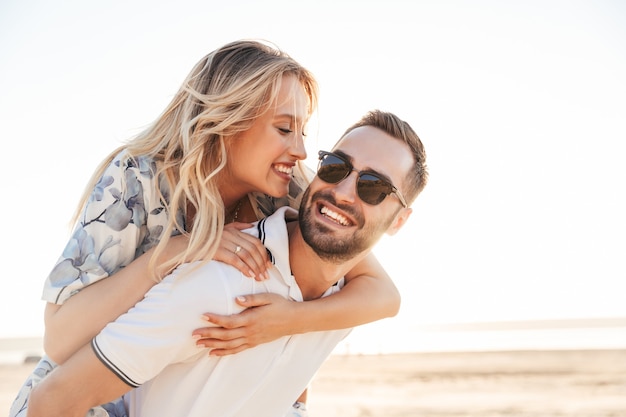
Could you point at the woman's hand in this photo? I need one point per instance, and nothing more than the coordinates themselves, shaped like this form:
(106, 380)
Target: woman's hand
(264, 320)
(243, 251)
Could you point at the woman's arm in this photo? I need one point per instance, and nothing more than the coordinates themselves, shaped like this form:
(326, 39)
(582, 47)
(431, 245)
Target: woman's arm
(71, 325)
(70, 390)
(368, 295)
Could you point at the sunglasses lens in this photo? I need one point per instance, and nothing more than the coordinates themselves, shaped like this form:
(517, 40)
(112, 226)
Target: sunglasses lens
(372, 189)
(332, 169)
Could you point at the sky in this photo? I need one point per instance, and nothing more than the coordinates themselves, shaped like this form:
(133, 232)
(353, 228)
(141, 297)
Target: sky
(521, 107)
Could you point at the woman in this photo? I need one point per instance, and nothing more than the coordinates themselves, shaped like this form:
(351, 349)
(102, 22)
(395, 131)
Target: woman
(164, 198)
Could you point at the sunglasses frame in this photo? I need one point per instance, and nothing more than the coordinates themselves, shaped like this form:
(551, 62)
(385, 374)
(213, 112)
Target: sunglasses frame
(394, 190)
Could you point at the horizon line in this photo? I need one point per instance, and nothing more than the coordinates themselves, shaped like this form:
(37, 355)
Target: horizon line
(568, 323)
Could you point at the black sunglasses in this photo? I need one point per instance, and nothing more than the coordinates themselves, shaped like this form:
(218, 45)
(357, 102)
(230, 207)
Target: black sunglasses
(370, 186)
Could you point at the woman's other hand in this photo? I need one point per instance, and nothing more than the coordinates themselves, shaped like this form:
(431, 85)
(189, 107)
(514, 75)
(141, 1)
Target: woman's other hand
(263, 320)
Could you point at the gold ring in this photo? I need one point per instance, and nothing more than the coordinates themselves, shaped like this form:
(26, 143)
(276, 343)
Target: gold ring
(237, 249)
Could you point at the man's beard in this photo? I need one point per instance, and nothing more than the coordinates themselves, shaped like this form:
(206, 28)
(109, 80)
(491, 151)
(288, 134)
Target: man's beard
(323, 241)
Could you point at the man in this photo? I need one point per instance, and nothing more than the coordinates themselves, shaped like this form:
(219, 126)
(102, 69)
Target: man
(362, 190)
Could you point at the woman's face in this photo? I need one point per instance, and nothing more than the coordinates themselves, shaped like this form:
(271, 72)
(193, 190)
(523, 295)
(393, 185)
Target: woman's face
(262, 158)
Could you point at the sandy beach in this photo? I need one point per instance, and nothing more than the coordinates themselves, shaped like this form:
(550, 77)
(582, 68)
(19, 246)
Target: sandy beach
(479, 384)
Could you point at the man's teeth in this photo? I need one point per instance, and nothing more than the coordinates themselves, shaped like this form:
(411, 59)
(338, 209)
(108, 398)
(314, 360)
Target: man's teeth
(335, 216)
(283, 168)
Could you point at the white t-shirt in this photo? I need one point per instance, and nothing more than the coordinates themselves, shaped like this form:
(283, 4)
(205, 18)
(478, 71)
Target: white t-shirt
(151, 347)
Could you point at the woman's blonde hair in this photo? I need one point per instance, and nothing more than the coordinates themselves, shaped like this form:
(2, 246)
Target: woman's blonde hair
(222, 96)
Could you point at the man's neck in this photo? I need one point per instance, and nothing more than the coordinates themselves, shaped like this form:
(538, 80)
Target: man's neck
(313, 275)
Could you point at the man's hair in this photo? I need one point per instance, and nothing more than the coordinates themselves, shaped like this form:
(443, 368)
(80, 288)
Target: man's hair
(391, 124)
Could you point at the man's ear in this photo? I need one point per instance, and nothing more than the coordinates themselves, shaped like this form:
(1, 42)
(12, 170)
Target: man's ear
(401, 217)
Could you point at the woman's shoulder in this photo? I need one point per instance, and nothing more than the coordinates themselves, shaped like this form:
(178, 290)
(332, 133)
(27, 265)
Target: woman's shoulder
(131, 175)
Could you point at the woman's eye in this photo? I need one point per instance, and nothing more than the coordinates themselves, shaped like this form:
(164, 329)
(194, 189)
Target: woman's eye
(285, 131)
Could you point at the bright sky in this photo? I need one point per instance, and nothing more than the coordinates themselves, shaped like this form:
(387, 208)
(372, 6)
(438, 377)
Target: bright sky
(521, 107)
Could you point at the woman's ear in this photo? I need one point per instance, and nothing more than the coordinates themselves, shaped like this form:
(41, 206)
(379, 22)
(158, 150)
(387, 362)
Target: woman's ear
(401, 217)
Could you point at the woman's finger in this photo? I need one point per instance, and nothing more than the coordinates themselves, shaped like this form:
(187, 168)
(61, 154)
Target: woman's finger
(229, 351)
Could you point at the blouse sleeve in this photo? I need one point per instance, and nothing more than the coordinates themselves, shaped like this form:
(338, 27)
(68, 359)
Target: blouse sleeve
(265, 205)
(113, 228)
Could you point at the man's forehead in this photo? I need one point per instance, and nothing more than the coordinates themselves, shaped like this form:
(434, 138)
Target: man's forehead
(371, 148)
(364, 144)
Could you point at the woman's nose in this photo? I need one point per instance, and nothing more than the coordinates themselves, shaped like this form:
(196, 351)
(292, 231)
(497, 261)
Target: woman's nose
(297, 148)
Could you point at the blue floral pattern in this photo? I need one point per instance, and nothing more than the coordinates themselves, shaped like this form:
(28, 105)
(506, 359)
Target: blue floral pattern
(124, 217)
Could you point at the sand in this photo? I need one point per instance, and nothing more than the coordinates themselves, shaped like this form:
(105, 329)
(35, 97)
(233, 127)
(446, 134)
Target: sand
(481, 384)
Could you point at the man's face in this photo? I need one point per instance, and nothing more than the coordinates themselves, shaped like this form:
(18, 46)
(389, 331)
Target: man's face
(334, 220)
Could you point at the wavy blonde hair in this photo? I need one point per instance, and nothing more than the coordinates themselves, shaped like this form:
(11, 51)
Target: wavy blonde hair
(222, 96)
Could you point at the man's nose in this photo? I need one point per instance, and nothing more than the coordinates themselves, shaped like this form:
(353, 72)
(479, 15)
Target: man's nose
(345, 190)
